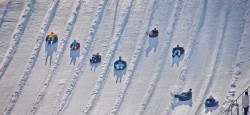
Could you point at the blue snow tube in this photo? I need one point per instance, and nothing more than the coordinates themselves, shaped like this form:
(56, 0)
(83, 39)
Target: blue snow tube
(95, 59)
(120, 65)
(209, 103)
(185, 98)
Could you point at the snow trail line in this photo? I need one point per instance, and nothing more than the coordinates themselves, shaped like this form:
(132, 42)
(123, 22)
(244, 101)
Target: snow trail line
(190, 47)
(110, 54)
(213, 65)
(84, 53)
(134, 60)
(31, 63)
(17, 36)
(239, 62)
(52, 71)
(4, 13)
(170, 31)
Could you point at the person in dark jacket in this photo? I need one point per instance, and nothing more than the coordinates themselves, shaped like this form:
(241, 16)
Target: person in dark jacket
(155, 31)
(184, 95)
(245, 103)
(177, 51)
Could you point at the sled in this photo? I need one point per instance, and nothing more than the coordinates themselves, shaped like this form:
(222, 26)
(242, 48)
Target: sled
(120, 65)
(76, 47)
(211, 103)
(95, 59)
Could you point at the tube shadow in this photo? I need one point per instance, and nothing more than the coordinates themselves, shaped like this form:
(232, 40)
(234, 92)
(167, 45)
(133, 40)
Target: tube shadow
(49, 50)
(73, 55)
(176, 60)
(118, 74)
(153, 44)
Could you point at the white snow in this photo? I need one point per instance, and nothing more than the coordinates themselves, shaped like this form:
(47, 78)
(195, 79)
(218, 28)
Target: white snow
(36, 78)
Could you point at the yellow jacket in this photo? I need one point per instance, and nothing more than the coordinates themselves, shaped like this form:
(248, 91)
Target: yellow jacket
(51, 36)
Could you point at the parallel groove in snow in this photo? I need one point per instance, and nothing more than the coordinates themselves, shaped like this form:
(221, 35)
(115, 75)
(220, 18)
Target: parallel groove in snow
(191, 45)
(15, 41)
(134, 61)
(4, 13)
(84, 53)
(16, 37)
(160, 63)
(58, 57)
(110, 54)
(239, 62)
(213, 66)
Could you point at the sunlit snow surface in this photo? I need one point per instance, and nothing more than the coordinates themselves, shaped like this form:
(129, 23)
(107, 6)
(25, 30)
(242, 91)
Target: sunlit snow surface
(37, 78)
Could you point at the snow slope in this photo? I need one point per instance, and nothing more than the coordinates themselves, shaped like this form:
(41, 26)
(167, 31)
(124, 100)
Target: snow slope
(36, 78)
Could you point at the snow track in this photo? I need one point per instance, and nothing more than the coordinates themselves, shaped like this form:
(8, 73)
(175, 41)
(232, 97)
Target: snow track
(78, 71)
(214, 62)
(110, 54)
(10, 13)
(16, 37)
(59, 56)
(193, 38)
(135, 57)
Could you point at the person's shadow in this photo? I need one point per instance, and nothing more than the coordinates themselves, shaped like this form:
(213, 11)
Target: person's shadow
(73, 55)
(176, 60)
(50, 49)
(94, 65)
(153, 44)
(119, 74)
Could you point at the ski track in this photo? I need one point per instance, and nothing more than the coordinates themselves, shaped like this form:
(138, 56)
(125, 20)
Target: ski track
(8, 21)
(239, 61)
(193, 38)
(147, 80)
(53, 95)
(35, 53)
(32, 59)
(134, 60)
(160, 63)
(15, 42)
(110, 54)
(224, 69)
(127, 42)
(213, 64)
(163, 79)
(58, 58)
(85, 50)
(16, 37)
(100, 43)
(4, 11)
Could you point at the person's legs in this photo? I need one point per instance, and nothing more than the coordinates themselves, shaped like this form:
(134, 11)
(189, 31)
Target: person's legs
(246, 110)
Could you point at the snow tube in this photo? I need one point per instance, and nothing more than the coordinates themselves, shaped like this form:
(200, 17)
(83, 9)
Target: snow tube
(183, 97)
(152, 35)
(51, 40)
(120, 65)
(95, 59)
(75, 47)
(211, 103)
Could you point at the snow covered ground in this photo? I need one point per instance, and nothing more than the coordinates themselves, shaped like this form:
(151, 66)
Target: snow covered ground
(36, 78)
